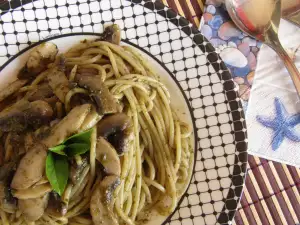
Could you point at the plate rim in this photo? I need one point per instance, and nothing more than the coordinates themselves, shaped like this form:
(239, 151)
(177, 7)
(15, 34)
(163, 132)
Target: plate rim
(171, 14)
(188, 28)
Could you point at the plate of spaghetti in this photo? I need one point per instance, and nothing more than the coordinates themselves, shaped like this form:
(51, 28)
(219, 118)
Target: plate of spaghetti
(137, 122)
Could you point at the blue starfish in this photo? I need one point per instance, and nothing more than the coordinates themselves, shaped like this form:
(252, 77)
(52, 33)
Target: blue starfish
(283, 125)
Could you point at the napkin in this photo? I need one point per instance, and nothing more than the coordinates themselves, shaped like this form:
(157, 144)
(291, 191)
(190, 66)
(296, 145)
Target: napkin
(263, 83)
(273, 112)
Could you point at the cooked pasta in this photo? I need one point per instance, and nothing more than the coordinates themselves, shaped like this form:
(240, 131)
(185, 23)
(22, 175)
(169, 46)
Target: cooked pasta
(139, 156)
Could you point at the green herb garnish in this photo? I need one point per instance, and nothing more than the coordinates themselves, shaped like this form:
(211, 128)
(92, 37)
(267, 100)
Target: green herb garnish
(77, 149)
(57, 171)
(57, 164)
(84, 137)
(58, 149)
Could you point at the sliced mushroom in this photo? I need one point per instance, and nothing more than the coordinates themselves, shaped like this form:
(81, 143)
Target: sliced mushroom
(100, 205)
(67, 126)
(108, 157)
(33, 192)
(11, 88)
(91, 120)
(40, 112)
(20, 105)
(56, 207)
(40, 93)
(42, 132)
(118, 130)
(28, 141)
(37, 113)
(14, 145)
(111, 34)
(31, 167)
(59, 83)
(109, 184)
(105, 102)
(38, 60)
(42, 108)
(87, 71)
(52, 101)
(7, 170)
(14, 122)
(7, 201)
(33, 208)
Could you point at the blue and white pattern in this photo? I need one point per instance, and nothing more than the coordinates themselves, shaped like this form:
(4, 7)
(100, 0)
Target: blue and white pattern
(282, 124)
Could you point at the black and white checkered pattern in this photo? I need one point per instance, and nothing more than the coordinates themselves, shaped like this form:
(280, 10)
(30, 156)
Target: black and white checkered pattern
(220, 130)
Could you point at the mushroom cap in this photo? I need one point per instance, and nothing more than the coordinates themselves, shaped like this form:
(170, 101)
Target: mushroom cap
(100, 205)
(34, 115)
(111, 34)
(33, 208)
(118, 130)
(38, 60)
(56, 206)
(104, 100)
(108, 157)
(31, 168)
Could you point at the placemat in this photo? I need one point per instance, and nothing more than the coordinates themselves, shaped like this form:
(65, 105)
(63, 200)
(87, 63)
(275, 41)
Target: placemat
(271, 195)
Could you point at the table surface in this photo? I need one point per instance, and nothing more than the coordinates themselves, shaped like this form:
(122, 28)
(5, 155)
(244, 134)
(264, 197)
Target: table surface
(272, 192)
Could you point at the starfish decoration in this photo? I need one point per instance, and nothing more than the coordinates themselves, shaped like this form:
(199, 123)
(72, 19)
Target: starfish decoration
(283, 125)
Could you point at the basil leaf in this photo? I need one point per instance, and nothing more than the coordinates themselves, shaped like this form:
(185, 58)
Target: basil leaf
(83, 137)
(77, 149)
(58, 149)
(57, 171)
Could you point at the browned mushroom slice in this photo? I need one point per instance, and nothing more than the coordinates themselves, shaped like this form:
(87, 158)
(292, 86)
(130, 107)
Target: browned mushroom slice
(36, 191)
(11, 88)
(14, 145)
(20, 105)
(31, 168)
(108, 157)
(67, 126)
(87, 71)
(100, 205)
(40, 93)
(91, 120)
(117, 129)
(105, 102)
(7, 201)
(28, 141)
(59, 83)
(40, 112)
(38, 60)
(33, 208)
(14, 122)
(35, 114)
(111, 34)
(56, 207)
(7, 170)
